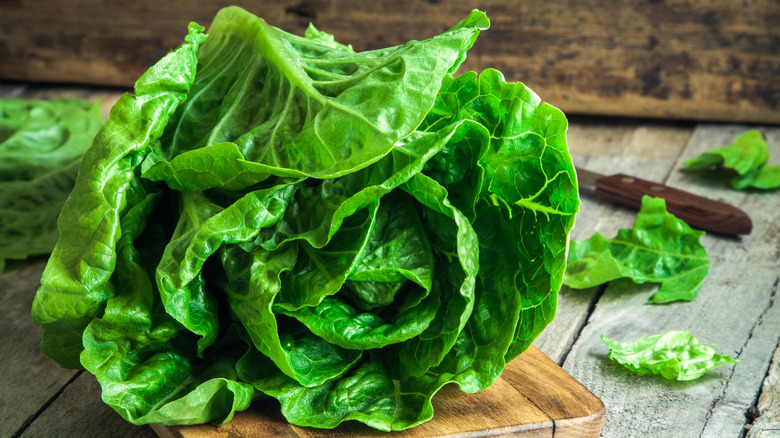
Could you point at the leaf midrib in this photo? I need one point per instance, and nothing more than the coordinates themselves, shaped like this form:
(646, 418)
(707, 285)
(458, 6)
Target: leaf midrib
(658, 251)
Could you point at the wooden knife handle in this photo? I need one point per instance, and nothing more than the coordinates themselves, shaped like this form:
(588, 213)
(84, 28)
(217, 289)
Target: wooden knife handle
(699, 212)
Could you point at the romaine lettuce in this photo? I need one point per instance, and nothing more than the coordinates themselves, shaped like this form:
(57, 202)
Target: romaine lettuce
(41, 145)
(274, 215)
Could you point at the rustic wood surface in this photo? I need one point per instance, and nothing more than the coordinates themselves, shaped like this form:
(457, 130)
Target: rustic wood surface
(768, 407)
(673, 59)
(737, 309)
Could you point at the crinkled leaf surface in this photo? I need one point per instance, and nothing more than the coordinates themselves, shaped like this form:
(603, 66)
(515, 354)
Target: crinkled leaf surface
(747, 157)
(675, 355)
(41, 145)
(76, 282)
(347, 232)
(659, 249)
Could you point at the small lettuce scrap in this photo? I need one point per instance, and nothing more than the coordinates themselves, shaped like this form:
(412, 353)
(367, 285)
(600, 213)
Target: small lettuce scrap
(270, 215)
(41, 145)
(659, 248)
(747, 157)
(675, 355)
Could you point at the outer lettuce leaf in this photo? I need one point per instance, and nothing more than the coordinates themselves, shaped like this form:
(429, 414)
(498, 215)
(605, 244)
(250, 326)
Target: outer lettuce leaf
(675, 355)
(75, 283)
(345, 232)
(276, 96)
(659, 249)
(314, 34)
(509, 171)
(747, 157)
(41, 145)
(138, 352)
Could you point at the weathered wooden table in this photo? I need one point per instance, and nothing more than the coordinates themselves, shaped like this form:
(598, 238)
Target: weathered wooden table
(738, 309)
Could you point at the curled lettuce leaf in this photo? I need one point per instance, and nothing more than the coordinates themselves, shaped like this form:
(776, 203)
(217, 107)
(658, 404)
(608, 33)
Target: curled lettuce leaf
(675, 355)
(281, 216)
(41, 145)
(747, 157)
(659, 248)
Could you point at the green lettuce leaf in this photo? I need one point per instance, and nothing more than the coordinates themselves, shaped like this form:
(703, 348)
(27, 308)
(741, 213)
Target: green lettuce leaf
(76, 282)
(41, 145)
(675, 355)
(347, 232)
(746, 157)
(767, 177)
(658, 249)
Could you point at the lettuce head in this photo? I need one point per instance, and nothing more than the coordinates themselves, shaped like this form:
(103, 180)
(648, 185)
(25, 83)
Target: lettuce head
(270, 215)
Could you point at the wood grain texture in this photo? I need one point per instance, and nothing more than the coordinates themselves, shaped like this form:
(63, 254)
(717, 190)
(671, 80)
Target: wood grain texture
(25, 370)
(717, 60)
(534, 397)
(37, 397)
(79, 412)
(736, 310)
(743, 284)
(768, 407)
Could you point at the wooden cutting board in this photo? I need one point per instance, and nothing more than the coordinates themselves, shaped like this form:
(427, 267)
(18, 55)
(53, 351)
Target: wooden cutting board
(534, 397)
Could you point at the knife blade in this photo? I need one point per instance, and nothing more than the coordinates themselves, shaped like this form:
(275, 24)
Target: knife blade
(699, 212)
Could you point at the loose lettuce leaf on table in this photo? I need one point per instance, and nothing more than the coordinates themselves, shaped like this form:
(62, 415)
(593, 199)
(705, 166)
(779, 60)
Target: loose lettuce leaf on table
(747, 157)
(659, 248)
(41, 145)
(675, 355)
(765, 178)
(281, 216)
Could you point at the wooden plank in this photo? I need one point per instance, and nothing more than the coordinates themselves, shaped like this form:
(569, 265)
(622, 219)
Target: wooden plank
(79, 412)
(768, 408)
(737, 311)
(564, 406)
(533, 398)
(29, 379)
(670, 59)
(757, 257)
(633, 147)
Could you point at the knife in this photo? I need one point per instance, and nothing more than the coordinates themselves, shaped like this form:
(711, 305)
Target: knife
(699, 212)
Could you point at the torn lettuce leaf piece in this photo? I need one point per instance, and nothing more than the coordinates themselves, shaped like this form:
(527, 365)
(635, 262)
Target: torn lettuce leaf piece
(347, 232)
(41, 145)
(660, 248)
(675, 355)
(747, 157)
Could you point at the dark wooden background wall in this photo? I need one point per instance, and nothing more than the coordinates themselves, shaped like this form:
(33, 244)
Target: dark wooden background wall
(676, 59)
